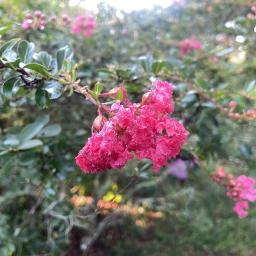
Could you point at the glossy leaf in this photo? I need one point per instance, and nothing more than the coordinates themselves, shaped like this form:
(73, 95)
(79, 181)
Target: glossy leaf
(53, 88)
(25, 51)
(38, 68)
(31, 130)
(42, 98)
(8, 86)
(8, 46)
(62, 54)
(50, 130)
(30, 144)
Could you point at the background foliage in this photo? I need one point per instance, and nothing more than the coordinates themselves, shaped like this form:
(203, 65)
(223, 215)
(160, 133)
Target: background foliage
(49, 207)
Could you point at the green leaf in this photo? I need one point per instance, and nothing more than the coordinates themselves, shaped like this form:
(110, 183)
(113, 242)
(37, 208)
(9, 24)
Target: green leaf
(105, 73)
(225, 52)
(7, 27)
(33, 129)
(50, 130)
(11, 140)
(189, 99)
(13, 64)
(8, 86)
(251, 86)
(42, 98)
(43, 58)
(53, 88)
(119, 95)
(245, 151)
(3, 30)
(8, 46)
(30, 144)
(157, 66)
(25, 51)
(146, 62)
(123, 74)
(4, 152)
(208, 104)
(62, 54)
(10, 56)
(98, 88)
(202, 83)
(38, 68)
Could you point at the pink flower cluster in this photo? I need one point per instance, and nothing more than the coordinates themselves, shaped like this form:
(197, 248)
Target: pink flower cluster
(83, 25)
(35, 20)
(241, 189)
(188, 45)
(144, 130)
(243, 192)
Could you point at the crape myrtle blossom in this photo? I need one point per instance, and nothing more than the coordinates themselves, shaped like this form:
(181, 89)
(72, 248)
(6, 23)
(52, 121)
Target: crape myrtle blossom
(35, 20)
(241, 189)
(144, 130)
(189, 45)
(83, 24)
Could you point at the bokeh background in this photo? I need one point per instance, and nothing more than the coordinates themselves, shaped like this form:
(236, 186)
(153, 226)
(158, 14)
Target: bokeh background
(49, 207)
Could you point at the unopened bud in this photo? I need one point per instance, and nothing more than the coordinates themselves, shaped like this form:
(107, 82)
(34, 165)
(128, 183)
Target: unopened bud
(53, 19)
(98, 123)
(232, 104)
(38, 13)
(29, 16)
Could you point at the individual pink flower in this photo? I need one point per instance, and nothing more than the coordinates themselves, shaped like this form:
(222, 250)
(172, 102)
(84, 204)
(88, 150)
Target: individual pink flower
(241, 208)
(144, 130)
(232, 104)
(83, 25)
(38, 13)
(188, 45)
(66, 20)
(26, 24)
(246, 187)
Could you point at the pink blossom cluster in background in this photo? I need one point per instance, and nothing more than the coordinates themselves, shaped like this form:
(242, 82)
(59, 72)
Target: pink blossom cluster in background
(243, 192)
(188, 45)
(38, 20)
(35, 20)
(241, 189)
(144, 130)
(83, 25)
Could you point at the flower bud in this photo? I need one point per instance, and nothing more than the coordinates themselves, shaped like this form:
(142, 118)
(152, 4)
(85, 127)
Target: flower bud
(53, 19)
(117, 93)
(98, 123)
(232, 104)
(38, 13)
(29, 16)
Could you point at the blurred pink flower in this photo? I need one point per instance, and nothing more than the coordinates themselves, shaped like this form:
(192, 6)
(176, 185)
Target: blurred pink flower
(232, 104)
(83, 24)
(241, 208)
(246, 187)
(26, 24)
(188, 45)
(241, 189)
(35, 20)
